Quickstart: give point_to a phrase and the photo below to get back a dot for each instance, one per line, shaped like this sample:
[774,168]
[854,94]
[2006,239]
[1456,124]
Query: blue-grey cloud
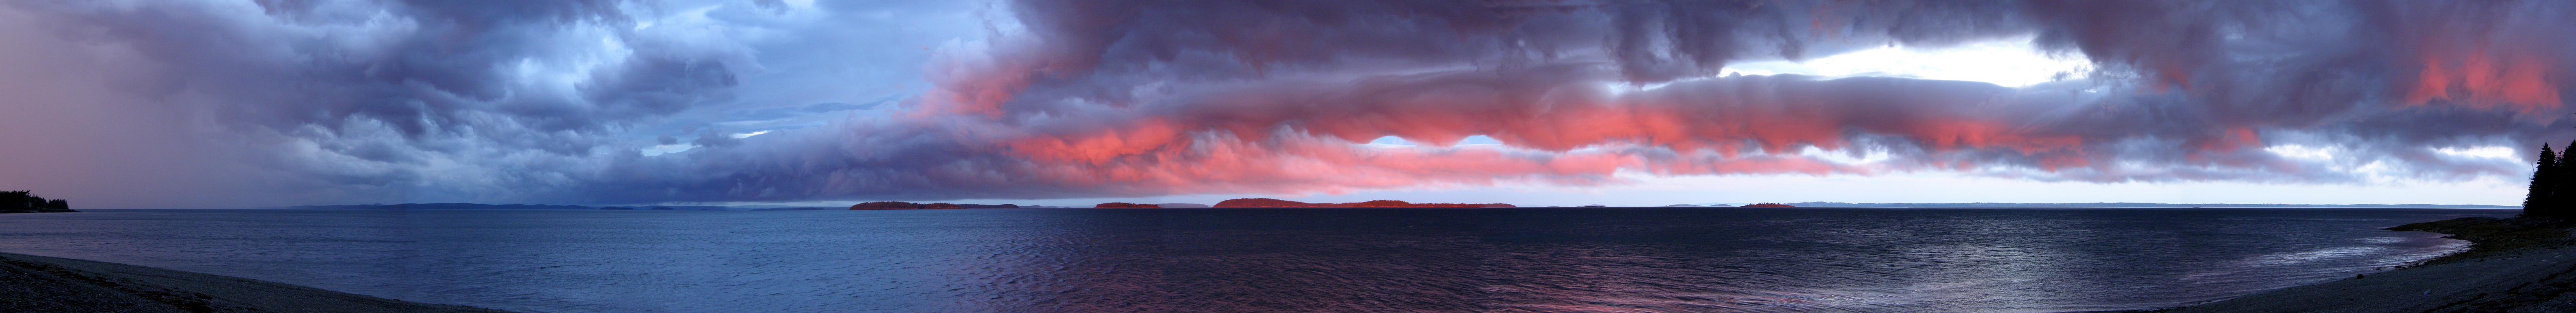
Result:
[550,101]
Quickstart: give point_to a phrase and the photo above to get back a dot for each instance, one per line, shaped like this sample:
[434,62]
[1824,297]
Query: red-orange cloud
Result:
[1105,99]
[2485,80]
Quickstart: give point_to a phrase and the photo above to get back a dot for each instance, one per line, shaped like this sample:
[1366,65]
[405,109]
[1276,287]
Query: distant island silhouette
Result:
[1769,205]
[23,201]
[891,205]
[1276,203]
[1686,205]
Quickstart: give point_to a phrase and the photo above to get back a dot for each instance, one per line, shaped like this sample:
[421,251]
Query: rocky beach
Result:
[46,284]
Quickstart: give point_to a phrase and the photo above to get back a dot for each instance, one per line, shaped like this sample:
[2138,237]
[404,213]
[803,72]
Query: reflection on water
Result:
[1221,260]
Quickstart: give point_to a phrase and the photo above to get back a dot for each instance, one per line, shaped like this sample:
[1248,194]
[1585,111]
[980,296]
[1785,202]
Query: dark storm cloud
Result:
[405,99]
[422,67]
[548,100]
[1132,94]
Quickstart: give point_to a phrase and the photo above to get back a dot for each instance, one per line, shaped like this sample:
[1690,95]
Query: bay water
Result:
[1264,260]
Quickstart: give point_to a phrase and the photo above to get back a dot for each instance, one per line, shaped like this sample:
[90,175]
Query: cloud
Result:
[529,102]
[416,100]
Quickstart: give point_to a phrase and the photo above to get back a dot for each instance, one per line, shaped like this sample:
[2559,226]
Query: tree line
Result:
[2553,185]
[22,201]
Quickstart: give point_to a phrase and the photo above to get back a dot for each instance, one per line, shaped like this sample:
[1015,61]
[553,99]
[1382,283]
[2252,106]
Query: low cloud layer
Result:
[285,102]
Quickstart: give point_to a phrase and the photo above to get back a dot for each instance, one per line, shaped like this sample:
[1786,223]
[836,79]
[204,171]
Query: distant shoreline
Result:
[48,284]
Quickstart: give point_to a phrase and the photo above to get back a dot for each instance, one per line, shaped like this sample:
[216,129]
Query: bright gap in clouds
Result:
[2488,152]
[2328,153]
[2011,62]
[1391,141]
[667,149]
[2301,152]
[1394,141]
[677,148]
[1846,156]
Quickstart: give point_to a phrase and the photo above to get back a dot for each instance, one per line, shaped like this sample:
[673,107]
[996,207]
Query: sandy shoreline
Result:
[2537,281]
[2522,277]
[47,284]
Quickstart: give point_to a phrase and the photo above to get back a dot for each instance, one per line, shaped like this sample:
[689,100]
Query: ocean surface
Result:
[1264,260]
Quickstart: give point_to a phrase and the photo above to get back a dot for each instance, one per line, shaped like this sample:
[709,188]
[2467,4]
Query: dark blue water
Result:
[1241,260]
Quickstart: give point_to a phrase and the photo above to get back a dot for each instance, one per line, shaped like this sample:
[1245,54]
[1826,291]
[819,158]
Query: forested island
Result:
[891,205]
[23,201]
[1276,203]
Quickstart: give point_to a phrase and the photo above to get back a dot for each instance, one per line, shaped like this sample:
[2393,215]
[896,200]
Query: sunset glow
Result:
[248,103]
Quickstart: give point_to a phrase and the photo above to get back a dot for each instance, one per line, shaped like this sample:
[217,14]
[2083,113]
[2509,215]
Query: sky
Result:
[246,103]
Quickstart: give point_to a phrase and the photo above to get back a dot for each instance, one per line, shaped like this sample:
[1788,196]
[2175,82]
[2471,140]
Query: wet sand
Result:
[2499,274]
[46,284]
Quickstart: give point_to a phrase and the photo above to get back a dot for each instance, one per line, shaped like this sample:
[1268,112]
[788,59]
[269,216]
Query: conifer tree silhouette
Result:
[2561,189]
[2544,177]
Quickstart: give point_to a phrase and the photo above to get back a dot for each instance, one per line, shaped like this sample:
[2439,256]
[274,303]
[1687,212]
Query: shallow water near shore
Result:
[1218,260]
